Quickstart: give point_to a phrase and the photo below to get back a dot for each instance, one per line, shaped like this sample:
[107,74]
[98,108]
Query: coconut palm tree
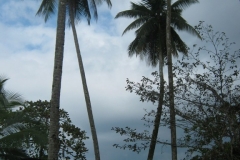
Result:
[150,40]
[9,100]
[76,9]
[73,14]
[170,81]
[47,7]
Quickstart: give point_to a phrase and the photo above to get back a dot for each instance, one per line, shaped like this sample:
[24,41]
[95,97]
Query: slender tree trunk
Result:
[56,86]
[159,109]
[85,89]
[170,80]
[41,152]
[160,101]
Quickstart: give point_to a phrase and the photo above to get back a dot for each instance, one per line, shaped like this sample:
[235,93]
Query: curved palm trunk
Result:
[85,89]
[159,109]
[160,101]
[56,86]
[170,80]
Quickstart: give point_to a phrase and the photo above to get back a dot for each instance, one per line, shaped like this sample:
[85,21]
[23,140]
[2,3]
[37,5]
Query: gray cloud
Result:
[27,52]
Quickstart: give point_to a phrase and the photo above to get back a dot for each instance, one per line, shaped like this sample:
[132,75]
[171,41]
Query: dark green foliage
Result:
[207,101]
[71,137]
[208,97]
[150,41]
[150,22]
[81,9]
[75,10]
[12,154]
[8,99]
[8,125]
[32,135]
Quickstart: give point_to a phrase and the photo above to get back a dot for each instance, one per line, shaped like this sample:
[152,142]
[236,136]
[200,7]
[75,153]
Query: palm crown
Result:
[80,8]
[8,99]
[75,10]
[150,42]
[150,25]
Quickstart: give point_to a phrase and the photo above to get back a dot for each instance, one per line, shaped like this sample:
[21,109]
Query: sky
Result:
[27,47]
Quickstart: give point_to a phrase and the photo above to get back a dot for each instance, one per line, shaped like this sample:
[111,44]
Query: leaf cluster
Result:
[207,101]
[28,129]
[149,22]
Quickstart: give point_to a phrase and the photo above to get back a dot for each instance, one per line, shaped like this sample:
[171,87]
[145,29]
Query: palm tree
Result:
[172,20]
[9,100]
[73,14]
[76,10]
[170,81]
[150,21]
[46,8]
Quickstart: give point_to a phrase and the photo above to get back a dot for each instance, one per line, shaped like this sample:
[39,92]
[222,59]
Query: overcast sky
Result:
[26,57]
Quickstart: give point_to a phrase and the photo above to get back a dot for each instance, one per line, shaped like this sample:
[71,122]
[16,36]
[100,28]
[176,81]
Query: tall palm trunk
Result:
[56,86]
[160,104]
[170,80]
[85,89]
[159,110]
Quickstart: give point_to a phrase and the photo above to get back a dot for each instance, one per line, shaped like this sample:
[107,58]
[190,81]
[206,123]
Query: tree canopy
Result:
[206,97]
[31,138]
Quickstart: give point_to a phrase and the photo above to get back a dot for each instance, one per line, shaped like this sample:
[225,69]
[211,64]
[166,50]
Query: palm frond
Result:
[8,99]
[99,2]
[134,48]
[12,153]
[132,14]
[93,8]
[144,35]
[146,3]
[16,120]
[80,9]
[136,11]
[47,8]
[146,45]
[183,4]
[2,81]
[29,135]
[147,27]
[143,7]
[135,24]
[181,24]
[178,44]
[109,3]
[9,130]
[139,48]
[13,96]
[150,22]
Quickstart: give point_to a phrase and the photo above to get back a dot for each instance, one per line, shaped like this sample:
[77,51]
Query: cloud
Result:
[27,47]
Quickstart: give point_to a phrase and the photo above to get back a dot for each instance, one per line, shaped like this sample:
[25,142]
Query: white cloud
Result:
[27,51]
